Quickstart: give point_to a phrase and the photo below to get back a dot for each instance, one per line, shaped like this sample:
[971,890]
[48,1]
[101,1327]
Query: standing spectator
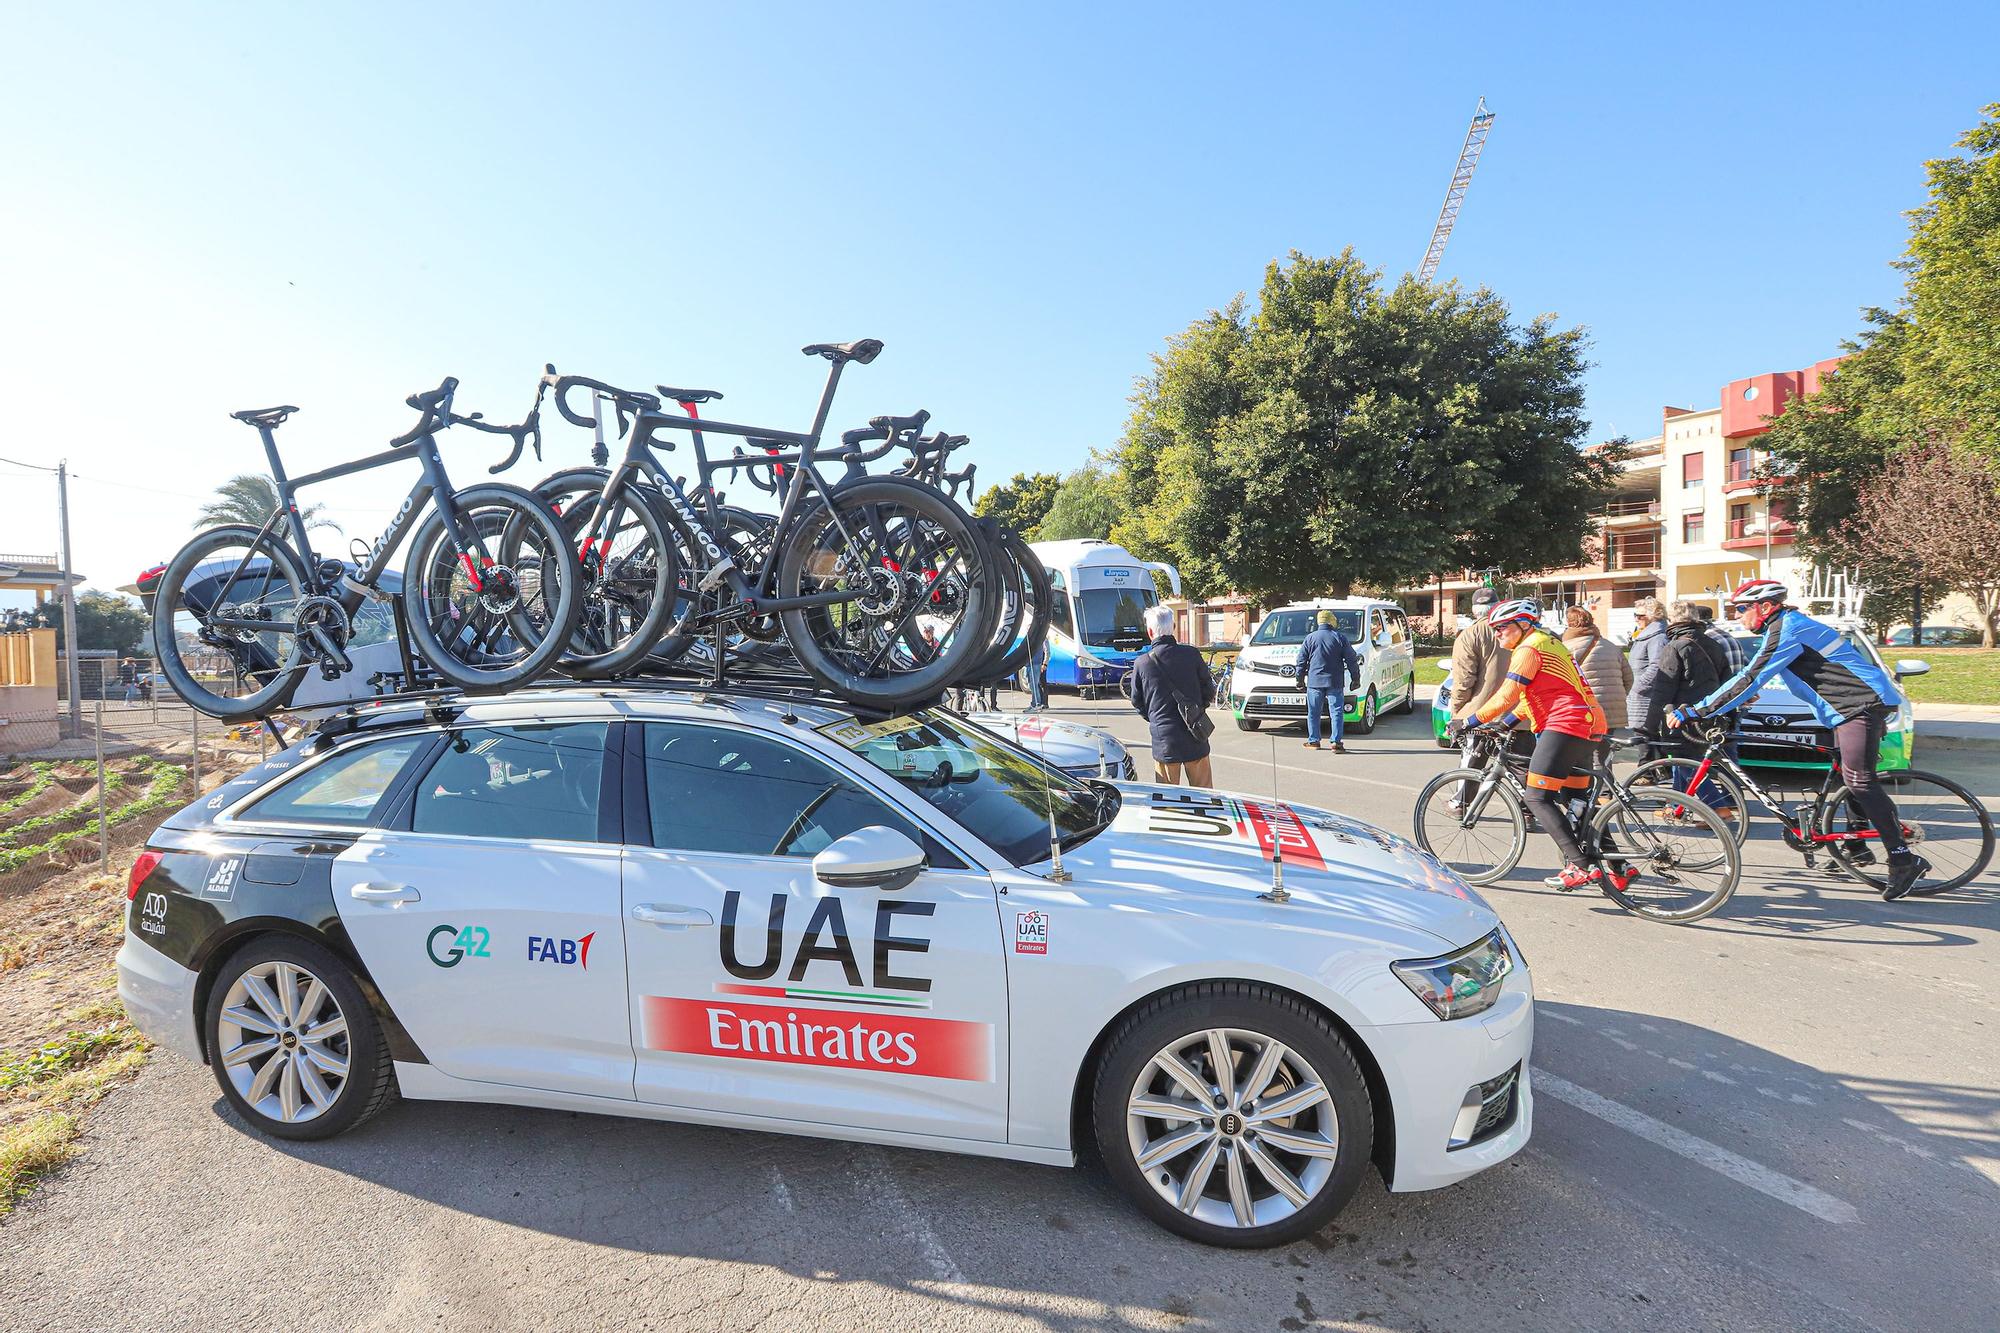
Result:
[1036,671]
[930,643]
[1171,689]
[1324,659]
[1684,675]
[1644,653]
[1732,647]
[1603,668]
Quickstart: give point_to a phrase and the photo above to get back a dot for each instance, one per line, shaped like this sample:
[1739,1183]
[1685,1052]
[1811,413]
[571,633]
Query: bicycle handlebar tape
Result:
[563,385]
[898,425]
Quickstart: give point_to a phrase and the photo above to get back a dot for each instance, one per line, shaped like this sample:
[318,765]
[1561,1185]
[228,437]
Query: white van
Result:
[1261,685]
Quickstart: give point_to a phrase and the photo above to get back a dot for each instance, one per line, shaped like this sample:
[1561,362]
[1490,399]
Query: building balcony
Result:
[1742,538]
[1629,513]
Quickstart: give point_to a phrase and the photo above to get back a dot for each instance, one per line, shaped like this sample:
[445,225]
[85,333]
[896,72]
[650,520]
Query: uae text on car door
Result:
[487,908]
[757,989]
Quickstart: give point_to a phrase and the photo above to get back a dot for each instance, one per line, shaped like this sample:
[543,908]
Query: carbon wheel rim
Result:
[1232,1128]
[1479,852]
[282,1039]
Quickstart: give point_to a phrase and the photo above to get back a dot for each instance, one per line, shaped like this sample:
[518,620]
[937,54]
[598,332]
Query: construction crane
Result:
[1454,195]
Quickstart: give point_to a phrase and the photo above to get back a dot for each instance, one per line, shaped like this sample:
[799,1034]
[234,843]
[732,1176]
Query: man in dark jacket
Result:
[1324,659]
[1167,669]
[1684,673]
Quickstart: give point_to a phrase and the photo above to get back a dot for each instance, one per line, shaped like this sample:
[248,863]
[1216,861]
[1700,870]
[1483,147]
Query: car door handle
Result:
[671,915]
[384,893]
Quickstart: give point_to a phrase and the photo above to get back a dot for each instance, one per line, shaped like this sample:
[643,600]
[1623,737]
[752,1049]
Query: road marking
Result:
[1714,1156]
[908,1219]
[1560,1018]
[1338,776]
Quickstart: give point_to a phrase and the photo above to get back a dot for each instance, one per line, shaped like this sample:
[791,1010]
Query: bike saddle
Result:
[1625,738]
[264,416]
[862,351]
[687,395]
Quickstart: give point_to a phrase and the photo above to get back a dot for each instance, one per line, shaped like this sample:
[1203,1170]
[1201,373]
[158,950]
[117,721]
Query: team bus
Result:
[1097,623]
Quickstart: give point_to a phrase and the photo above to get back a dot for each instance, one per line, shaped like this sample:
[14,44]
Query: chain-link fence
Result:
[76,803]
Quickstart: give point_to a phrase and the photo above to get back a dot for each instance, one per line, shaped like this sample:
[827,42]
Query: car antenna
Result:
[1056,873]
[1277,892]
[1100,755]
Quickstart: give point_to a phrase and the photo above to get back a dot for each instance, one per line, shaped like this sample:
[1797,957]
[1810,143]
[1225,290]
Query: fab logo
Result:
[565,953]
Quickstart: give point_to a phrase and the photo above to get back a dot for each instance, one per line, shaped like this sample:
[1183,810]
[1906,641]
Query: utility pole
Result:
[68,603]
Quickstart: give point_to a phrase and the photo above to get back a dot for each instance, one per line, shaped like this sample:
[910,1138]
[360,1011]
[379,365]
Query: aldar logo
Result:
[826,940]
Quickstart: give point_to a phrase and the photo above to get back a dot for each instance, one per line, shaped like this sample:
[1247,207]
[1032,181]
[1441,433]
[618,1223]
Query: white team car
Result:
[770,913]
[1078,750]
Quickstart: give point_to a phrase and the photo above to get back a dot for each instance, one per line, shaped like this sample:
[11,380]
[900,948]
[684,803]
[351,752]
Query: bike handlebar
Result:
[435,404]
[623,398]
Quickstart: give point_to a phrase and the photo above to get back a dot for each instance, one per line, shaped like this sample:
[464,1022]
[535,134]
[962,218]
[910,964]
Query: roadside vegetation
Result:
[1957,675]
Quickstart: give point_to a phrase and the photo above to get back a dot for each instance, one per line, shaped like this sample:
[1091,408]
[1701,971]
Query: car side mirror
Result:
[1442,663]
[869,858]
[1911,666]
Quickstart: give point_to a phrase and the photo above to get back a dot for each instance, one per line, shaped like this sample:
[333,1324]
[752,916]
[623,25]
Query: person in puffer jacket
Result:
[1644,652]
[1606,670]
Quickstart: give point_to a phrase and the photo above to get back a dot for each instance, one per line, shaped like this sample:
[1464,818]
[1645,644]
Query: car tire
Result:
[1364,721]
[1409,703]
[270,1098]
[1246,1017]
[1249,723]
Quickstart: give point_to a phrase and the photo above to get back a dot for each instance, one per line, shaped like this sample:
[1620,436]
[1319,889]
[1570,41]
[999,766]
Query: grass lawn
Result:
[1428,670]
[1957,675]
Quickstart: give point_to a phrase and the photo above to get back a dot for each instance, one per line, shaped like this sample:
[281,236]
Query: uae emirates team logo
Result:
[886,1042]
[1031,932]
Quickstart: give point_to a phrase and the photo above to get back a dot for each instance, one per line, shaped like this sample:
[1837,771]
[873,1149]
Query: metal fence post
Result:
[103,819]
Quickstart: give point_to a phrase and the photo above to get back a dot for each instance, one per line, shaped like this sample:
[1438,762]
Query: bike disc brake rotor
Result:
[499,590]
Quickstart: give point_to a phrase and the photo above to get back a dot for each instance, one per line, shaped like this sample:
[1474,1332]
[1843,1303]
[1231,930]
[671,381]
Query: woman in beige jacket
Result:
[1601,664]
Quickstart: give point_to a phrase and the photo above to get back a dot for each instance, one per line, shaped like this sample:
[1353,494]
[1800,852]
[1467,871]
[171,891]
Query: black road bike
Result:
[883,588]
[1941,821]
[489,596]
[1658,854]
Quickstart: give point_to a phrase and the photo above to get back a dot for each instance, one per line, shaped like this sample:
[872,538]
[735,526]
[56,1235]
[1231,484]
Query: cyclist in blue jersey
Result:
[1847,692]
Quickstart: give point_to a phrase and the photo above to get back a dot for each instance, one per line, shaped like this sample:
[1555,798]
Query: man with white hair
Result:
[1172,689]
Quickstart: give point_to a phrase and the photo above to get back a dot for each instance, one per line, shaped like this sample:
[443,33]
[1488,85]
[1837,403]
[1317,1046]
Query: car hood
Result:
[1067,745]
[1218,846]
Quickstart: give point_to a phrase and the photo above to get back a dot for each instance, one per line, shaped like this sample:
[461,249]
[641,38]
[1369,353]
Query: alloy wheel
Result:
[1232,1127]
[284,1042]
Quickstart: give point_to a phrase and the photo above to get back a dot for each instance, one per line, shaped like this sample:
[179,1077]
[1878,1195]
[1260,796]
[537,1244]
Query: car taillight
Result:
[141,867]
[152,573]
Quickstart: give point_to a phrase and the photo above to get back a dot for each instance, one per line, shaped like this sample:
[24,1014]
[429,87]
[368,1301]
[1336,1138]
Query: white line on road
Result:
[906,1216]
[1336,775]
[1699,1150]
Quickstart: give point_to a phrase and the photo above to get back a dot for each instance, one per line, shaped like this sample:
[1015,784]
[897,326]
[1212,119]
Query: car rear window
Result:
[531,782]
[342,790]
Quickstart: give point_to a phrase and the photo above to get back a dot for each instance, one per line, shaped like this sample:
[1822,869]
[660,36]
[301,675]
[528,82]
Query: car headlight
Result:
[1087,660]
[1462,983]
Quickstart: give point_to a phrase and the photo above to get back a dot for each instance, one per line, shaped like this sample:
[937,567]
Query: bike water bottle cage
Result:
[861,351]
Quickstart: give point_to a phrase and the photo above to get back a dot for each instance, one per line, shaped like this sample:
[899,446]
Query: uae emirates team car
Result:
[768,912]
[1078,750]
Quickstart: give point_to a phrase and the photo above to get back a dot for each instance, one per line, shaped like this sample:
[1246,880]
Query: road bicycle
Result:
[1940,820]
[489,597]
[1658,854]
[852,573]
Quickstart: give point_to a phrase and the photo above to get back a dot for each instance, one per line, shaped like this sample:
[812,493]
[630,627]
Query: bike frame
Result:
[1715,753]
[1603,782]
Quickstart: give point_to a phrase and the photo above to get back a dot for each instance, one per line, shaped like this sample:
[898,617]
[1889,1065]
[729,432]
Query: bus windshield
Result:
[1113,617]
[1293,626]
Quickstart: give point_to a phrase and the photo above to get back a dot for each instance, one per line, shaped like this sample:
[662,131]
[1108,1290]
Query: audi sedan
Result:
[767,912]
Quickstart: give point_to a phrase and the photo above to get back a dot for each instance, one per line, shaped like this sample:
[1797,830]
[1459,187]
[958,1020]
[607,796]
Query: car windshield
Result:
[1293,626]
[999,794]
[1114,617]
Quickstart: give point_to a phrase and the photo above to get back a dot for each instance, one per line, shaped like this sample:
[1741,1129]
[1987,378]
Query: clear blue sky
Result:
[209,208]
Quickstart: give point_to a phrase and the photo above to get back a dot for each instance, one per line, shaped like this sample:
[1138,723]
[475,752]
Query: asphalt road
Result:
[1787,1116]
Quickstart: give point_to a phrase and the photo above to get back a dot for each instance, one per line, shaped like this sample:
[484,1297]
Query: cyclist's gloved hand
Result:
[1677,717]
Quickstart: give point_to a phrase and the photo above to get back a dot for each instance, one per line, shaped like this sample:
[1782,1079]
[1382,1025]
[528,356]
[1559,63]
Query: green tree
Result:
[1951,360]
[250,497]
[1085,505]
[1346,434]
[103,620]
[1022,502]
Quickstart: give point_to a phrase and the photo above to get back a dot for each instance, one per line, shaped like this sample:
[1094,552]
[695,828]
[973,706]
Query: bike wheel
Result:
[1484,839]
[234,573]
[509,621]
[1735,810]
[1942,822]
[912,561]
[630,573]
[1028,597]
[1686,859]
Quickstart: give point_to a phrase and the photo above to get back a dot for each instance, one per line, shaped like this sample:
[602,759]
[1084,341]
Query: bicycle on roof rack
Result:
[883,587]
[489,597]
[1660,854]
[1941,821]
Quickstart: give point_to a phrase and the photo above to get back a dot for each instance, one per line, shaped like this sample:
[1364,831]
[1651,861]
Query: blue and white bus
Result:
[1097,626]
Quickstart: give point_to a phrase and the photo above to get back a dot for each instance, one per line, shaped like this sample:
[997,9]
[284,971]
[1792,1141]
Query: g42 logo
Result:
[470,942]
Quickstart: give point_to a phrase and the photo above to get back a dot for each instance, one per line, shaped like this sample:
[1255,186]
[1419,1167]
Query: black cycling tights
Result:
[1563,759]
[1859,744]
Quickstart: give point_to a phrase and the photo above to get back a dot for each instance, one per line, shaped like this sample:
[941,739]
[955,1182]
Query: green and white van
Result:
[1263,689]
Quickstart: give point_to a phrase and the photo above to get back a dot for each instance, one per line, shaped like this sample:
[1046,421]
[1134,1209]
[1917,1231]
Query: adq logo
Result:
[471,942]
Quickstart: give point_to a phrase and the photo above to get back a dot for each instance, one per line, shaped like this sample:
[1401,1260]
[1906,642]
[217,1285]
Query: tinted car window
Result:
[515,782]
[715,790]
[343,790]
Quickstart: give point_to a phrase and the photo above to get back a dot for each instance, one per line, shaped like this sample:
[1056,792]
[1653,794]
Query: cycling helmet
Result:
[1758,590]
[1526,611]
